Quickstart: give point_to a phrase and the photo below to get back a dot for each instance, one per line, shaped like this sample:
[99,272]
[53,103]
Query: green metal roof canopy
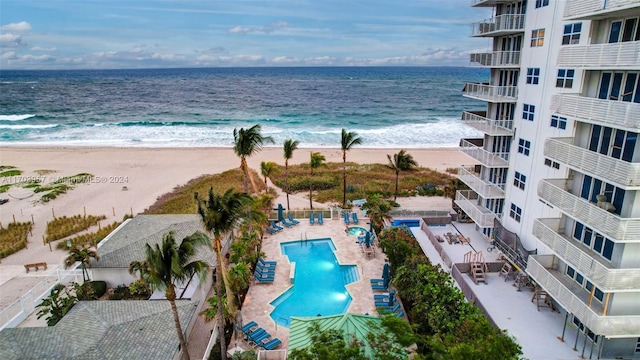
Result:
[350,324]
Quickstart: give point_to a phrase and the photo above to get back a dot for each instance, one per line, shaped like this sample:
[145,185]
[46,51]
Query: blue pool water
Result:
[355,230]
[407,222]
[319,283]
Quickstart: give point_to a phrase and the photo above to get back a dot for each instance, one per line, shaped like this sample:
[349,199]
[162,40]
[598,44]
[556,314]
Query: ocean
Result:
[389,107]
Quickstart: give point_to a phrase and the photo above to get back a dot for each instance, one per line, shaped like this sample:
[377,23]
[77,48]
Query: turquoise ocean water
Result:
[389,107]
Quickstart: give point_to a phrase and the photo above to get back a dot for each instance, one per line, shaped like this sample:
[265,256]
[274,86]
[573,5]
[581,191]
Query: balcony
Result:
[467,200]
[624,174]
[489,3]
[486,158]
[575,300]
[595,9]
[491,93]
[585,261]
[485,189]
[499,25]
[610,225]
[502,59]
[619,114]
[477,120]
[601,56]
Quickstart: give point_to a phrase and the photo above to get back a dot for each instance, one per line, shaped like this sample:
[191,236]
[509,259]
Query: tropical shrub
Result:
[139,288]
[54,307]
[99,288]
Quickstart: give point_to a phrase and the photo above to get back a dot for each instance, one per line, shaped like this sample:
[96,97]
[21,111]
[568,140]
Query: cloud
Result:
[9,55]
[213,50]
[22,26]
[264,29]
[38,48]
[10,40]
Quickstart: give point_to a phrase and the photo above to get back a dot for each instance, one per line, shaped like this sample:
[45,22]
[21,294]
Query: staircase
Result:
[477,273]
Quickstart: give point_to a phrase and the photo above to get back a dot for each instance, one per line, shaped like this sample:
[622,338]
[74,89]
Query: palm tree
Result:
[401,161]
[219,214]
[138,267]
[247,142]
[290,146]
[349,139]
[267,168]
[378,210]
[169,264]
[84,256]
[317,160]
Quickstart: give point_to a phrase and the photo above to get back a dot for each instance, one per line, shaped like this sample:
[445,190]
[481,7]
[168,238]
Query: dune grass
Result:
[62,227]
[91,239]
[13,237]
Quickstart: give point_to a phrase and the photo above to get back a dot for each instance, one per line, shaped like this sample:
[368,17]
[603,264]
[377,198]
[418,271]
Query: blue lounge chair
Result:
[265,269]
[292,220]
[250,327]
[311,219]
[346,218]
[271,230]
[385,303]
[286,223]
[382,297]
[355,218]
[258,335]
[276,226]
[320,218]
[264,279]
[267,262]
[272,344]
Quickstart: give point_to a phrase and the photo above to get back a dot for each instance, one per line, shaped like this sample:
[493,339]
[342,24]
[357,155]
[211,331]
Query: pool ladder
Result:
[303,238]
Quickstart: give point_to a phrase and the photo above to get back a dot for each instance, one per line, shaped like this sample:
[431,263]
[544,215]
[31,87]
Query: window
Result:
[571,34]
[515,212]
[533,76]
[528,111]
[624,30]
[565,78]
[620,86]
[552,164]
[537,37]
[541,3]
[519,180]
[524,146]
[618,144]
[586,284]
[558,122]
[595,241]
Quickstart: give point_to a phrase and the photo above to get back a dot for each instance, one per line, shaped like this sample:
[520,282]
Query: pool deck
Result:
[257,305]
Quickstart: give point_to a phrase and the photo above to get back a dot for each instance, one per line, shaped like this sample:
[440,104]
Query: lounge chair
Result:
[380,297]
[385,303]
[271,344]
[267,263]
[276,226]
[258,335]
[286,223]
[265,269]
[250,327]
[271,230]
[311,219]
[320,218]
[355,217]
[346,218]
[266,279]
[292,220]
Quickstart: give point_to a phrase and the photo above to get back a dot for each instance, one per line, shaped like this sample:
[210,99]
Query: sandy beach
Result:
[148,173]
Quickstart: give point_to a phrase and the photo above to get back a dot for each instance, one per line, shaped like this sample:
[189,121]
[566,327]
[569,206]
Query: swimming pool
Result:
[356,230]
[319,286]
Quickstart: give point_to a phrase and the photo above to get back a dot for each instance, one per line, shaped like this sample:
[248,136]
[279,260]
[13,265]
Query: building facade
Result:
[558,182]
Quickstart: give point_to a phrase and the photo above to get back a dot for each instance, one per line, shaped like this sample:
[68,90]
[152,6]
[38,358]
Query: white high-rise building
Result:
[558,185]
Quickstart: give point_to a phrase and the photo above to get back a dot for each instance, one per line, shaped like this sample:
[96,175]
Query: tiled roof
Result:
[127,242]
[125,329]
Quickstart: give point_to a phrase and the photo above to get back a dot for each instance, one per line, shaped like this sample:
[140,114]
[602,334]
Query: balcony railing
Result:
[499,25]
[486,158]
[496,59]
[480,3]
[605,167]
[606,223]
[488,126]
[491,93]
[586,262]
[483,188]
[594,56]
[540,268]
[598,111]
[585,9]
[467,200]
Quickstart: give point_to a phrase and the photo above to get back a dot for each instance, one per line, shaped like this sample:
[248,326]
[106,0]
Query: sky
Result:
[113,34]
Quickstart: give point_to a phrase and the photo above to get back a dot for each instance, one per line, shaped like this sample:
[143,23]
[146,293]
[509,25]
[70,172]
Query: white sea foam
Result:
[15,117]
[22,127]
